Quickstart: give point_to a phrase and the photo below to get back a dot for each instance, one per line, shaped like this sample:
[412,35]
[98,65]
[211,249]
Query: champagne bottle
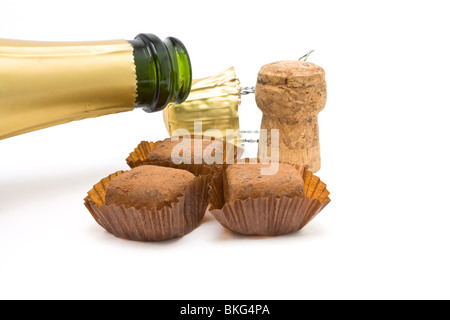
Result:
[43,84]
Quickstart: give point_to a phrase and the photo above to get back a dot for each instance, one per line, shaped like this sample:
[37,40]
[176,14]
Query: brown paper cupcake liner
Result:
[173,221]
[269,216]
[141,153]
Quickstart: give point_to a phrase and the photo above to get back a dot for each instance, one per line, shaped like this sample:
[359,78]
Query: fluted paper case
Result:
[269,216]
[172,221]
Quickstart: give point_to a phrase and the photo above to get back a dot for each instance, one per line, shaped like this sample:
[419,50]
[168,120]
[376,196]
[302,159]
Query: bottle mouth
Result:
[181,64]
[166,76]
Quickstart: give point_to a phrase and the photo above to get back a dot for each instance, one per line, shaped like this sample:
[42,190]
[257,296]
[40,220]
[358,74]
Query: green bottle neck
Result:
[163,71]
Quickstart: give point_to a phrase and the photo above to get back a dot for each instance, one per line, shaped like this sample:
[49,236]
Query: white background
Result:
[384,137]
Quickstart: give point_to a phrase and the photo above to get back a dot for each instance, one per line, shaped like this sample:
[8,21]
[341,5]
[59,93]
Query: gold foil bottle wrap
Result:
[43,84]
[213,100]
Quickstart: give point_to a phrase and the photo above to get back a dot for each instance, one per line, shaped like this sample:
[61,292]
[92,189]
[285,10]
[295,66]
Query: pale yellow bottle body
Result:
[43,84]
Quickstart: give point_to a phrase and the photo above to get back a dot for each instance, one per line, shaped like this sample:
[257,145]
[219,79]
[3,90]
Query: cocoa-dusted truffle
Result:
[148,187]
[216,149]
[246,181]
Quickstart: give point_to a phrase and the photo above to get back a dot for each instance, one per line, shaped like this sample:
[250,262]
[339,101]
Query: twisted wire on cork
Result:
[247,90]
[306,56]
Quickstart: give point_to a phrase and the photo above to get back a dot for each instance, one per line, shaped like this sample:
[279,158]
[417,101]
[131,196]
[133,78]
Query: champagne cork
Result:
[290,95]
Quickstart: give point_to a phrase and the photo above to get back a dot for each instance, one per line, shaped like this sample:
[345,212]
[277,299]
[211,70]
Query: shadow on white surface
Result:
[44,187]
[208,218]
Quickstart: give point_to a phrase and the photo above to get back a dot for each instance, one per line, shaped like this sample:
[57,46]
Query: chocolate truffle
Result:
[246,181]
[148,187]
[215,149]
